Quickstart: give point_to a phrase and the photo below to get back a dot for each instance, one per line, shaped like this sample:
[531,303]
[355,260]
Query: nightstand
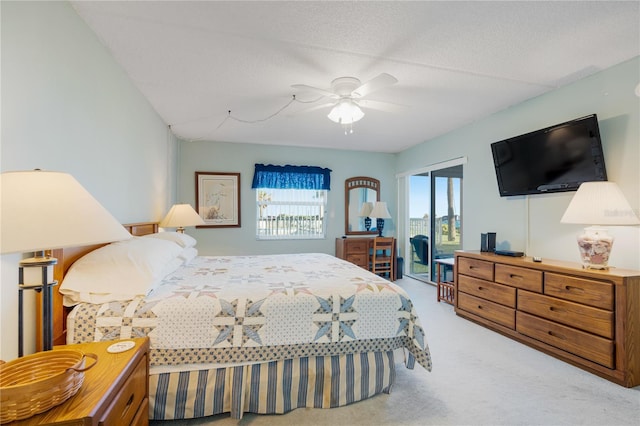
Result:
[446,289]
[114,392]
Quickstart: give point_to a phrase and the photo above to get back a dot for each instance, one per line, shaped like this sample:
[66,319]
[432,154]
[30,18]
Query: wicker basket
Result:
[35,383]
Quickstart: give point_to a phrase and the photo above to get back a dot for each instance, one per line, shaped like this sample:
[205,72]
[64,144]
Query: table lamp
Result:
[42,210]
[365,212]
[597,204]
[380,212]
[181,215]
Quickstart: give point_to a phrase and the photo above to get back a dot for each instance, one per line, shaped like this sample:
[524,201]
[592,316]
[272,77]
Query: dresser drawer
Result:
[126,404]
[357,247]
[528,279]
[361,260]
[488,290]
[475,268]
[589,292]
[587,318]
[142,416]
[489,310]
[585,345]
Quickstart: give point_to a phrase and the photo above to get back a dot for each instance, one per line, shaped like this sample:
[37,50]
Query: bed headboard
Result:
[66,257]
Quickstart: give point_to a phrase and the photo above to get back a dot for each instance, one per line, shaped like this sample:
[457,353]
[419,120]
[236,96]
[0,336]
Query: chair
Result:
[420,245]
[383,256]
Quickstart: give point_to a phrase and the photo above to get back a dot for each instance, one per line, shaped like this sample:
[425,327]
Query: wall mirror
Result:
[358,191]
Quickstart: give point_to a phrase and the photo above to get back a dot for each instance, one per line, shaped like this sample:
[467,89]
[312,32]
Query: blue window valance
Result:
[291,177]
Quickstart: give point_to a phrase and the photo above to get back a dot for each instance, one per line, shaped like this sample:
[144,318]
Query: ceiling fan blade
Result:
[315,107]
[315,89]
[381,106]
[377,83]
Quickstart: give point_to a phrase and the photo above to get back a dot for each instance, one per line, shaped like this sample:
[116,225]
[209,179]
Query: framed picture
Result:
[218,199]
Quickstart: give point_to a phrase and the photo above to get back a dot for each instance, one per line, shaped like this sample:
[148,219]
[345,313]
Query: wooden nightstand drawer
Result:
[126,403]
[488,290]
[590,292]
[475,268]
[489,310]
[585,345]
[528,279]
[587,318]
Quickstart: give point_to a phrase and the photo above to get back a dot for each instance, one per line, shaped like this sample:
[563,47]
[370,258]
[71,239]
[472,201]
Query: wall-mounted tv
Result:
[554,159]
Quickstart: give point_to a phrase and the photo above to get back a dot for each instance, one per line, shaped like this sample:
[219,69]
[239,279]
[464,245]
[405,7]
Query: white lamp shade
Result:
[366,209]
[42,210]
[181,215]
[380,211]
[346,112]
[599,203]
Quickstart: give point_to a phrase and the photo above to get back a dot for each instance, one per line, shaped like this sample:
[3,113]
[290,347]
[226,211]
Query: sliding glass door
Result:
[419,225]
[434,225]
[446,213]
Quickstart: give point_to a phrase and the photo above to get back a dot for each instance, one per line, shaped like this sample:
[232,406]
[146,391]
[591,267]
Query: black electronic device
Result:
[488,242]
[509,253]
[554,159]
[491,241]
[483,243]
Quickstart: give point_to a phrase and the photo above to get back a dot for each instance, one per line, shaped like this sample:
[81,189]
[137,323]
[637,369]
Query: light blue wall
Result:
[532,224]
[67,106]
[240,158]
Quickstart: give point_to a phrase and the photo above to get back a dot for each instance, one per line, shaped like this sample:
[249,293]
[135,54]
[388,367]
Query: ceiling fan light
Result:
[346,112]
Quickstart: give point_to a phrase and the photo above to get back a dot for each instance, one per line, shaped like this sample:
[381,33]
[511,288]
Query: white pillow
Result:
[183,240]
[188,255]
[120,271]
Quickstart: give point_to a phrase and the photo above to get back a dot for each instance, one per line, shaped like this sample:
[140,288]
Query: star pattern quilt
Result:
[241,309]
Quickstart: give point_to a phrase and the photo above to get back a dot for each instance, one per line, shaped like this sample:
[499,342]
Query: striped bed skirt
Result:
[271,387]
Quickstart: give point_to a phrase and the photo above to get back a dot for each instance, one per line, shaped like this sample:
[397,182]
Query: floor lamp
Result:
[40,211]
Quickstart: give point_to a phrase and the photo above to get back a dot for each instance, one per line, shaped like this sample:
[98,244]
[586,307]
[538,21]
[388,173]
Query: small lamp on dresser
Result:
[365,212]
[380,212]
[181,215]
[598,204]
[40,211]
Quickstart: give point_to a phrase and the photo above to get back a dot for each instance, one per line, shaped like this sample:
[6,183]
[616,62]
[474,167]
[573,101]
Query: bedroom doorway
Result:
[434,220]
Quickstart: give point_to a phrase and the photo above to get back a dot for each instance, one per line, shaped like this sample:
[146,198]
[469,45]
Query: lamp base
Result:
[595,247]
[380,226]
[367,223]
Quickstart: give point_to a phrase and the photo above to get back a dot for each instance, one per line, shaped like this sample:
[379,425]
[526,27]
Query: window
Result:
[291,201]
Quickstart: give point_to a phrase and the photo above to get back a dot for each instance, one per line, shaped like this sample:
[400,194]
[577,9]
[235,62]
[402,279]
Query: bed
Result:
[235,334]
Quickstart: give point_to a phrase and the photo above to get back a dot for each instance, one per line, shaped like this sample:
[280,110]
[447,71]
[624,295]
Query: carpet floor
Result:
[479,377]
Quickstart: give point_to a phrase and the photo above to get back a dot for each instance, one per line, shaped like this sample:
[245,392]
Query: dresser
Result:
[357,251]
[115,391]
[588,318]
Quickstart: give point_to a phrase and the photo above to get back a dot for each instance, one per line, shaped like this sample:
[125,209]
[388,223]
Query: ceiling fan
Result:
[347,95]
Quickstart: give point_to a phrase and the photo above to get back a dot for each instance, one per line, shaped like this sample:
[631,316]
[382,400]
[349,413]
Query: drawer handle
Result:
[572,288]
[558,336]
[515,276]
[480,288]
[128,405]
[479,306]
[554,309]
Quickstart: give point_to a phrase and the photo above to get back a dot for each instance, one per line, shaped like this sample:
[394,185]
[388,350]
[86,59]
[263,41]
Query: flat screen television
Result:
[554,159]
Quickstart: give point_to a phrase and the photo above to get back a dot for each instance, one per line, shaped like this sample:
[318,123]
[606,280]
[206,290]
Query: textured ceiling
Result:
[455,62]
